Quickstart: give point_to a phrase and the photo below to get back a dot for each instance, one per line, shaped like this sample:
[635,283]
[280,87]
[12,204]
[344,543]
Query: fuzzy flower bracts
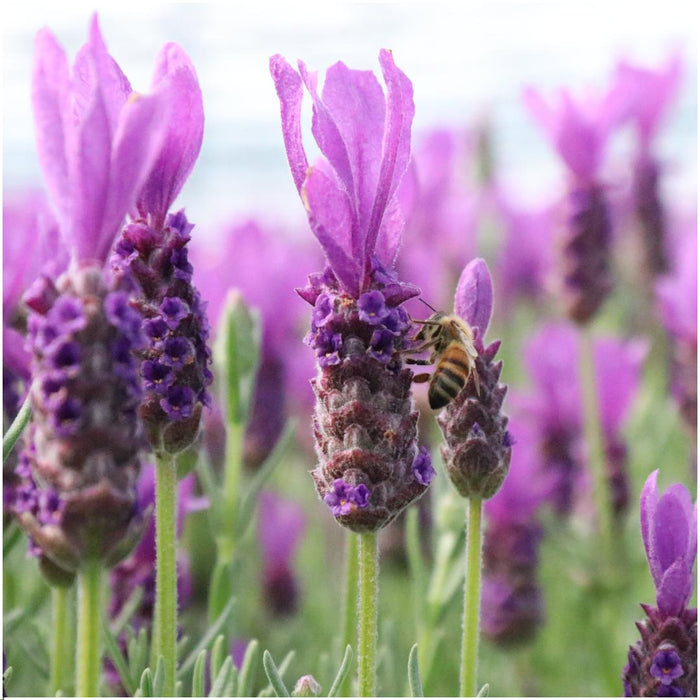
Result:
[365,425]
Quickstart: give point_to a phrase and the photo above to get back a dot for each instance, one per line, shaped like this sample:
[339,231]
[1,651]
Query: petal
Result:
[290,92]
[50,90]
[675,588]
[670,528]
[396,147]
[330,217]
[390,232]
[174,76]
[280,526]
[474,295]
[647,508]
[137,142]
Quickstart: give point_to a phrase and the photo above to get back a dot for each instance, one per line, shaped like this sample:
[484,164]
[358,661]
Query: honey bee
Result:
[451,341]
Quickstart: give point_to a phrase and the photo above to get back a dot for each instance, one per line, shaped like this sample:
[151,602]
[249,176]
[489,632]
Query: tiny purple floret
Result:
[344,497]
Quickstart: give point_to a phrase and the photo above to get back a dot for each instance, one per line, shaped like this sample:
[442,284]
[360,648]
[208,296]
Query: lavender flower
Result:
[664,661]
[477,445]
[281,525]
[512,606]
[649,93]
[96,144]
[152,249]
[364,421]
[554,408]
[579,132]
[677,305]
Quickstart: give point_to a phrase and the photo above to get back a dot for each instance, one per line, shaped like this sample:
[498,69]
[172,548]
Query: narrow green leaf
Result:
[246,677]
[484,692]
[159,677]
[7,675]
[207,639]
[198,679]
[11,535]
[268,690]
[222,678]
[231,683]
[273,676]
[115,654]
[219,588]
[16,428]
[342,672]
[245,511]
[178,689]
[414,680]
[218,656]
[182,645]
[137,646]
[127,611]
[146,684]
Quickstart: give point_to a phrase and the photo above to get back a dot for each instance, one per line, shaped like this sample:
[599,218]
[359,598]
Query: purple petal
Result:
[174,76]
[474,295]
[281,523]
[675,587]
[290,92]
[330,217]
[647,508]
[396,147]
[670,529]
[390,232]
[50,90]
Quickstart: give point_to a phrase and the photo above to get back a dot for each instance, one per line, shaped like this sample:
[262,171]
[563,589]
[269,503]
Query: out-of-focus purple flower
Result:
[477,444]
[525,259]
[441,215]
[677,305]
[365,424]
[266,269]
[664,661]
[281,525]
[152,249]
[96,141]
[554,407]
[579,131]
[512,606]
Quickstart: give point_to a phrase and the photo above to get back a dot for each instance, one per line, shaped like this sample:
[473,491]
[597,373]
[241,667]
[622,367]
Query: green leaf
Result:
[159,677]
[245,512]
[115,654]
[484,692]
[342,672]
[268,690]
[218,656]
[273,676]
[207,639]
[222,678]
[16,428]
[198,675]
[7,676]
[237,353]
[414,681]
[246,678]
[137,646]
[11,535]
[146,684]
[127,611]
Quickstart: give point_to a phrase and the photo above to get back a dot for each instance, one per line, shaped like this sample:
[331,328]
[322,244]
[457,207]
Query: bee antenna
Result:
[428,305]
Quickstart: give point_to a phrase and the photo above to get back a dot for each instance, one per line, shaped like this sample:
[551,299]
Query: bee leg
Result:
[414,361]
[421,378]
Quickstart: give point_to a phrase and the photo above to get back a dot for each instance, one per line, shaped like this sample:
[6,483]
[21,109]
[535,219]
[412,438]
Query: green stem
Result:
[165,623]
[17,427]
[472,601]
[367,613]
[350,616]
[596,445]
[60,642]
[89,653]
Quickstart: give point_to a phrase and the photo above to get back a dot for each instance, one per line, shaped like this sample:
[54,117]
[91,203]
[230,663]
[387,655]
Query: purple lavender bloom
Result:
[477,446]
[96,143]
[677,306]
[153,250]
[649,93]
[266,270]
[512,605]
[553,408]
[281,525]
[664,661]
[365,424]
[579,132]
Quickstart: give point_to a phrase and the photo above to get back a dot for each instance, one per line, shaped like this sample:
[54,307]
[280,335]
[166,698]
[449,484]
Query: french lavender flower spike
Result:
[664,661]
[474,295]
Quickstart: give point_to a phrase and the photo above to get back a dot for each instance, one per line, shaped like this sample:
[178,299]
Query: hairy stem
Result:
[472,600]
[89,649]
[367,613]
[61,643]
[16,428]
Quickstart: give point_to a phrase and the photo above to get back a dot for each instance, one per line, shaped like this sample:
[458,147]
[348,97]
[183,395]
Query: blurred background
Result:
[468,62]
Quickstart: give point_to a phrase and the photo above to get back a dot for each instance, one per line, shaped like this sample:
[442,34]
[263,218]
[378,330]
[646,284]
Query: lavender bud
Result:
[175,361]
[81,460]
[651,215]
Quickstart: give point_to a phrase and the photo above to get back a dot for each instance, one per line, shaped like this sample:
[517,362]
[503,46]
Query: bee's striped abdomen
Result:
[450,376]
